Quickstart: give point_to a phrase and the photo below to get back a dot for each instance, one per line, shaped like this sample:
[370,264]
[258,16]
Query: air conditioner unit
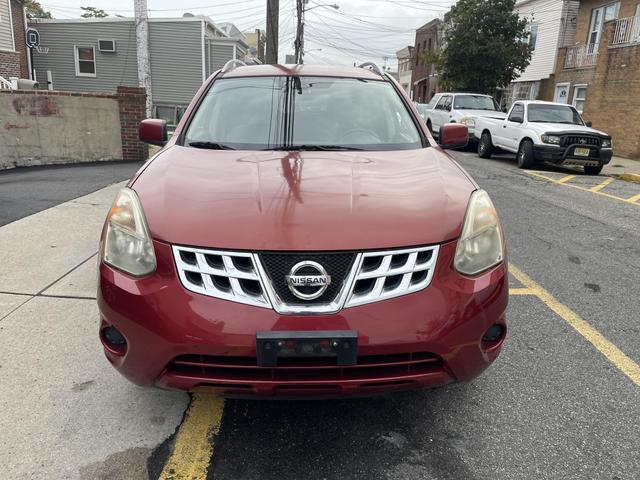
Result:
[107,46]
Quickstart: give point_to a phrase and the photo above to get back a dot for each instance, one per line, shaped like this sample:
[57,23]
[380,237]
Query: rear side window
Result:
[258,113]
[517,113]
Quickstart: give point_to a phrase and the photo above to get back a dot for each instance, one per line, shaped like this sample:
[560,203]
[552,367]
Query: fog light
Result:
[113,337]
[493,334]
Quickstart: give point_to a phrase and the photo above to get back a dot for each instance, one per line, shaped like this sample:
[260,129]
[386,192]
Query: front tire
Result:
[485,146]
[590,170]
[525,155]
[430,127]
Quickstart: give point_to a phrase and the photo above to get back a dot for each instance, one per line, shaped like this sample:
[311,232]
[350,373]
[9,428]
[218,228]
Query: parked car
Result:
[300,239]
[464,108]
[540,131]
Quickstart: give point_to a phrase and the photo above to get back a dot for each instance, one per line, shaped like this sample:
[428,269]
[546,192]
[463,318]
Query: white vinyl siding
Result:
[6,27]
[113,69]
[548,17]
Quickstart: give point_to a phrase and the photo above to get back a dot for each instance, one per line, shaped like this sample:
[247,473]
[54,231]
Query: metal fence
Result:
[581,56]
[627,31]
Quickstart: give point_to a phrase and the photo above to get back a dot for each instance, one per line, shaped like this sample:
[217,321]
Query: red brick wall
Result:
[18,34]
[613,95]
[422,92]
[9,64]
[132,103]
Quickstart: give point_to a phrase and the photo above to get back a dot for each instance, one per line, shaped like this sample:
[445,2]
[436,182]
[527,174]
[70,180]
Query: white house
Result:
[551,26]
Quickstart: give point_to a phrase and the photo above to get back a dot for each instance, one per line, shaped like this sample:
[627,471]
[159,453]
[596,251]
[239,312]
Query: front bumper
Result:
[565,155]
[178,339]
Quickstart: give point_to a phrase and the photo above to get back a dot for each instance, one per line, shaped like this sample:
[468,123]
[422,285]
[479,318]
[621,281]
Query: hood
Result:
[253,200]
[564,128]
[481,113]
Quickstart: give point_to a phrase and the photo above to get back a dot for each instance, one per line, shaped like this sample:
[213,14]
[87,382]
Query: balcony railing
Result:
[581,56]
[627,31]
[7,84]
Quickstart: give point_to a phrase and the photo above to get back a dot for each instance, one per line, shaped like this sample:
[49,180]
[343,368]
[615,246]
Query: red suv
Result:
[301,233]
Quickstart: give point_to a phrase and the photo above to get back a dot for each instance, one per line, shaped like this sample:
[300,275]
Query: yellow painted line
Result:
[193,446]
[616,356]
[626,200]
[629,177]
[634,199]
[600,186]
[521,291]
[566,179]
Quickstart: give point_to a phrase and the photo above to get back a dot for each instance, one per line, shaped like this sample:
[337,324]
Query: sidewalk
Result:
[624,169]
[66,413]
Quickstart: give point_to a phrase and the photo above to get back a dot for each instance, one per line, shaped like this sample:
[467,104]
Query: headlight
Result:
[553,139]
[127,243]
[607,143]
[481,245]
[468,121]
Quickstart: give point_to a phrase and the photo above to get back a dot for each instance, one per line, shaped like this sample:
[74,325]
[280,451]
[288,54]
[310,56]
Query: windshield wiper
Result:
[315,147]
[211,145]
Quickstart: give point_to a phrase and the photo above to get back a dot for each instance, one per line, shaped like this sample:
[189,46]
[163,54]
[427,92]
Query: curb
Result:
[628,177]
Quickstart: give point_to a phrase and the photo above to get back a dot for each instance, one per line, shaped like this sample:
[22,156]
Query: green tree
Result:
[485,46]
[35,10]
[93,12]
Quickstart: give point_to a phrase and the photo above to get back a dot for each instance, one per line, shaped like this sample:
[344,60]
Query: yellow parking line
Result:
[634,199]
[626,200]
[566,179]
[193,445]
[616,356]
[521,291]
[600,186]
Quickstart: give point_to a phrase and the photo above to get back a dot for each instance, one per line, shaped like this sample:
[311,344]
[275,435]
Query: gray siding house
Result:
[89,55]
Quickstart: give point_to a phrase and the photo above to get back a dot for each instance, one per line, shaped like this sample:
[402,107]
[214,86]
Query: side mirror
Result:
[516,119]
[153,131]
[588,123]
[505,109]
[453,135]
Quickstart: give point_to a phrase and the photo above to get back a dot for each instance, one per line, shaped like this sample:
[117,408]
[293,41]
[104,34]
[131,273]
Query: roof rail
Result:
[373,67]
[231,64]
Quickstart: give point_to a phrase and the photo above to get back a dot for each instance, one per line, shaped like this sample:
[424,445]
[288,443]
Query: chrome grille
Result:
[248,278]
[226,275]
[383,275]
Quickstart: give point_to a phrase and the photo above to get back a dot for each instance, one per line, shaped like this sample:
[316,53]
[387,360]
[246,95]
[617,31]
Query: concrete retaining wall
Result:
[44,127]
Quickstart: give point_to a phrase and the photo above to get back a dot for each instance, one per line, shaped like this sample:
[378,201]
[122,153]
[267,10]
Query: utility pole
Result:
[273,14]
[142,49]
[299,42]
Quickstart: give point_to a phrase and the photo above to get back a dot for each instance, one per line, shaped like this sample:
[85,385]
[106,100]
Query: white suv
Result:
[461,108]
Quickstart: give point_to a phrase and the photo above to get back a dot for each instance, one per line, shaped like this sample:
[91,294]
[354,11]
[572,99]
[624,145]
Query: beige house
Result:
[405,66]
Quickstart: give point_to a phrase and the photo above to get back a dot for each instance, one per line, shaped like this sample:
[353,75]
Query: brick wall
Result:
[14,64]
[18,34]
[9,64]
[613,95]
[41,127]
[424,36]
[132,105]
[627,9]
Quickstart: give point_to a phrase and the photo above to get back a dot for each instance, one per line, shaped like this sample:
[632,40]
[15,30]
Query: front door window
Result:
[562,93]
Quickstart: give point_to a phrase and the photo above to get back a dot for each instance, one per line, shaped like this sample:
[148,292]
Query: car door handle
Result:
[504,126]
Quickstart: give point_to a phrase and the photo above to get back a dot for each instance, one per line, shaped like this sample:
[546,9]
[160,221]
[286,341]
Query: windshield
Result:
[554,114]
[475,102]
[258,113]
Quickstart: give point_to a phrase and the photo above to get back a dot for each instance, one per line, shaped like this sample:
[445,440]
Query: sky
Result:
[359,31]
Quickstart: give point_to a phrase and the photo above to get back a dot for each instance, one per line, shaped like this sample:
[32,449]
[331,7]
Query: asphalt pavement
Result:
[27,190]
[562,401]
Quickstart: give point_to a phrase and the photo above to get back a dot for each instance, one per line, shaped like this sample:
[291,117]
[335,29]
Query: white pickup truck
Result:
[545,132]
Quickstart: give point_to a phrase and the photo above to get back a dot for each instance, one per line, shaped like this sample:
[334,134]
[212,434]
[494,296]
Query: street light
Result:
[299,42]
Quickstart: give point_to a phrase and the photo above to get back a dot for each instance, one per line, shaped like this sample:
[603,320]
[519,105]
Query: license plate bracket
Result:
[581,152]
[341,344]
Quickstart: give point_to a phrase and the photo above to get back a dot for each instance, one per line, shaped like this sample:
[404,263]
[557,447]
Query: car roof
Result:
[463,93]
[541,102]
[302,70]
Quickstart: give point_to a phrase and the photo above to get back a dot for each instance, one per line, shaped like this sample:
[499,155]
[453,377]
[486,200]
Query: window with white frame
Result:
[579,97]
[85,61]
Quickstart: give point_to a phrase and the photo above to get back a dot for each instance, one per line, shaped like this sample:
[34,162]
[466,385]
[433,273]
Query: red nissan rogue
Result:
[301,233]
